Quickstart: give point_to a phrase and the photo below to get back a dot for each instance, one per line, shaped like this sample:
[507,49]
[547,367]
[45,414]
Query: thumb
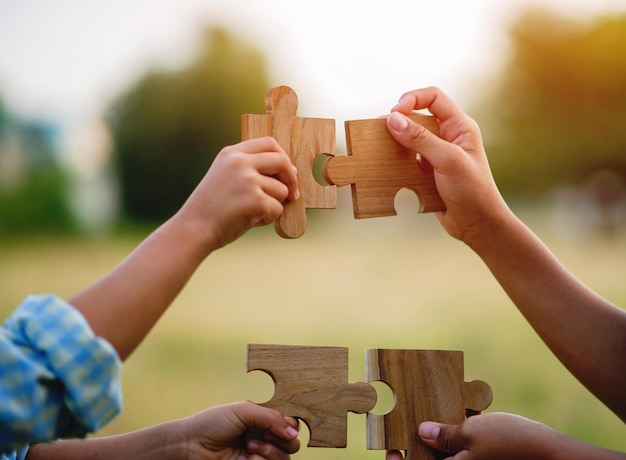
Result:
[441,437]
[417,138]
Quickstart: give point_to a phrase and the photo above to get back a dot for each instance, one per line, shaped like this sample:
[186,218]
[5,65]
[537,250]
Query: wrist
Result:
[197,239]
[165,441]
[494,228]
[175,440]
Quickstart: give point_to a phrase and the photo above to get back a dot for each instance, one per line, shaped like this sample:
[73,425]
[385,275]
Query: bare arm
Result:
[500,436]
[124,305]
[245,186]
[586,332]
[231,431]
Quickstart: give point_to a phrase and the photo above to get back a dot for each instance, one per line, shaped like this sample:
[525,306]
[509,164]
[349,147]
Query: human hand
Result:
[461,170]
[239,431]
[245,186]
[500,436]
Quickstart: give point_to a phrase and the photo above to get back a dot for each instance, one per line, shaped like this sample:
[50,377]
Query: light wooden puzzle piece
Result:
[303,139]
[311,384]
[377,167]
[427,385]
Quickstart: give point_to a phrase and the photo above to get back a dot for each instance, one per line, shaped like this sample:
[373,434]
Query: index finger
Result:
[279,166]
[433,99]
[261,144]
[273,162]
[252,416]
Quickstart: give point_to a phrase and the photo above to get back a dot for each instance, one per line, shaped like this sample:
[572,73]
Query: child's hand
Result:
[240,431]
[500,436]
[461,169]
[245,186]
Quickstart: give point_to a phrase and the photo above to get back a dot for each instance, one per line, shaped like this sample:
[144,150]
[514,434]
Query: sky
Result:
[346,59]
[65,61]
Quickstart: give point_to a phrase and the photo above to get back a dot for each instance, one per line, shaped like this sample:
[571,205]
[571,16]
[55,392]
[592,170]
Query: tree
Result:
[168,127]
[33,187]
[2,117]
[557,114]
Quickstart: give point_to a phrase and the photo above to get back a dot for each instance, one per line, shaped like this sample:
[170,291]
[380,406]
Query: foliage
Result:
[557,111]
[2,117]
[38,204]
[33,188]
[168,127]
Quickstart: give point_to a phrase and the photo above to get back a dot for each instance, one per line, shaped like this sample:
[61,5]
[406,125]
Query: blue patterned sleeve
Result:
[57,379]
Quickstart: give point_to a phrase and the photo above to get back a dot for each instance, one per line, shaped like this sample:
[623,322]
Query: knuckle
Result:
[417,133]
[473,125]
[269,209]
[284,160]
[270,140]
[272,144]
[407,94]
[294,446]
[446,439]
[228,150]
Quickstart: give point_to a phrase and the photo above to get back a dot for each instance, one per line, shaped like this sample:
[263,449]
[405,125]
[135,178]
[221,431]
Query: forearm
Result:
[154,443]
[123,306]
[586,332]
[559,446]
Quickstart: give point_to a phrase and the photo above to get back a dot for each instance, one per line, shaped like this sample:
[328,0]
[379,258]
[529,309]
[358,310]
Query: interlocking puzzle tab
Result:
[311,384]
[303,139]
[377,167]
[427,385]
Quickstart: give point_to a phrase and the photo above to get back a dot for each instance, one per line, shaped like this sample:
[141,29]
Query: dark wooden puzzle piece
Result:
[311,384]
[427,385]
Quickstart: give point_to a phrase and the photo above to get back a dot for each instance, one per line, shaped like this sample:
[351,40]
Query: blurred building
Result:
[54,177]
[25,146]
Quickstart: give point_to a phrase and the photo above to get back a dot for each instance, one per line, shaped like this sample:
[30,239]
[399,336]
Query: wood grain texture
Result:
[377,167]
[427,385]
[311,384]
[303,139]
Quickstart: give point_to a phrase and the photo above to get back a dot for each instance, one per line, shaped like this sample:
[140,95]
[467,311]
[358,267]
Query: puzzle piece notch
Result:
[377,167]
[311,384]
[303,139]
[427,385]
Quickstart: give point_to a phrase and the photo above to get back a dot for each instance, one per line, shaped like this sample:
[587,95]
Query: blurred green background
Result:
[80,187]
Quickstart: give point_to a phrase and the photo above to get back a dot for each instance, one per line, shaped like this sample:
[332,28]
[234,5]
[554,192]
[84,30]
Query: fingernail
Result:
[253,446]
[291,431]
[428,430]
[397,121]
[295,170]
[297,194]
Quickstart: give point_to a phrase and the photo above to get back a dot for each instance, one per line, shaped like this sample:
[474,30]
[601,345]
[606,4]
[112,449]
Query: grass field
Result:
[386,283]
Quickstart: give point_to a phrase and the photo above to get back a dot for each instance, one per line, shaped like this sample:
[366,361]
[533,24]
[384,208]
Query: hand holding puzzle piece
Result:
[311,383]
[303,139]
[376,166]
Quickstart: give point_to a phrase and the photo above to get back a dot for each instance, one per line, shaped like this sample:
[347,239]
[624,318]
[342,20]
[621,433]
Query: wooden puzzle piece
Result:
[427,385]
[303,139]
[377,167]
[311,384]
